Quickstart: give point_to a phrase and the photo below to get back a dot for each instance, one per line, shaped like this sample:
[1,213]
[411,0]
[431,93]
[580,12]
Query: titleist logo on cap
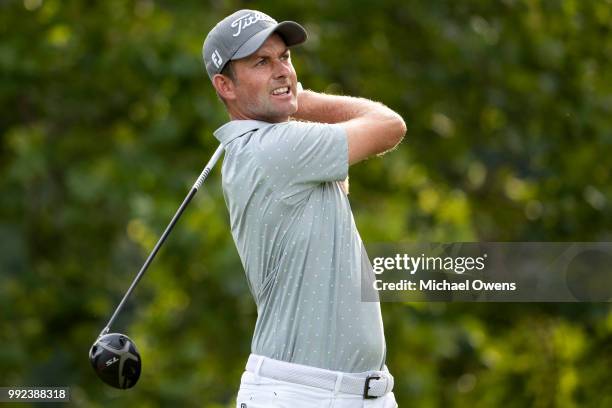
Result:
[249,19]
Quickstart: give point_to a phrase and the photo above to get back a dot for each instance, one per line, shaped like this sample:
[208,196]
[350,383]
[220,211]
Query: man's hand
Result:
[371,127]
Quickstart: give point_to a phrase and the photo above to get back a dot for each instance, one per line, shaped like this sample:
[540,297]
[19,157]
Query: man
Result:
[287,153]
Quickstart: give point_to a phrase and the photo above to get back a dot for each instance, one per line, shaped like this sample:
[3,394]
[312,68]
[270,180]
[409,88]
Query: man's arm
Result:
[371,127]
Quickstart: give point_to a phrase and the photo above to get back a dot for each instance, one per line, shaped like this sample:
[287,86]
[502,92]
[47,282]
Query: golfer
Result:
[287,154]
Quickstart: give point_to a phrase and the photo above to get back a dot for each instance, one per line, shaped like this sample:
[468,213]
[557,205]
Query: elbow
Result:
[402,129]
[397,131]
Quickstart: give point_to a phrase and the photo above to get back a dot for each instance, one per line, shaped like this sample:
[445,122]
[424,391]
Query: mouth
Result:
[281,91]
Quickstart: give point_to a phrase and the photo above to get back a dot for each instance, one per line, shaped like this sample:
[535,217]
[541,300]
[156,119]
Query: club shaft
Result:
[211,163]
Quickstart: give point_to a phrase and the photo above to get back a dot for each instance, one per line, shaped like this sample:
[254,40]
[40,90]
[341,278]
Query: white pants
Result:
[262,392]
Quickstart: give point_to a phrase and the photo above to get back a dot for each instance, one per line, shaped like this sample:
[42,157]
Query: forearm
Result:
[323,108]
[371,127]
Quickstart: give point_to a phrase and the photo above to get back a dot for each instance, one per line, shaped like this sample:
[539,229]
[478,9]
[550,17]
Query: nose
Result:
[281,69]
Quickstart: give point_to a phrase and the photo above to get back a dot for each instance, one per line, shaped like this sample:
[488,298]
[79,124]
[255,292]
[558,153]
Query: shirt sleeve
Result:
[304,153]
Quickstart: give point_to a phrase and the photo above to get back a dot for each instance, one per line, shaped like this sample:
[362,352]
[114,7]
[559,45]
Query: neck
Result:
[236,114]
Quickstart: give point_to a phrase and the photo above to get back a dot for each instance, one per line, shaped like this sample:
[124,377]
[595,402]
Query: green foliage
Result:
[107,118]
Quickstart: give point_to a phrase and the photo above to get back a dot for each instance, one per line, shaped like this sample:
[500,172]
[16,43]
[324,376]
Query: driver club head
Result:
[116,360]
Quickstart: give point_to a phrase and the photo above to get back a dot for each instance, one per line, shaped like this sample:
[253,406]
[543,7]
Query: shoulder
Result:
[295,132]
[304,127]
[284,150]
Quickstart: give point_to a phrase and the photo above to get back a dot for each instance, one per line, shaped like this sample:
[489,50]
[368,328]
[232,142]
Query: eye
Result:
[261,61]
[285,57]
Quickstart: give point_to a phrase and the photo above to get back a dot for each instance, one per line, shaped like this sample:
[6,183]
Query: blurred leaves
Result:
[108,117]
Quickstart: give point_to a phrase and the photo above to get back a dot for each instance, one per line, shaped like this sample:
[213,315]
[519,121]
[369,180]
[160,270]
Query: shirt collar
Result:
[236,128]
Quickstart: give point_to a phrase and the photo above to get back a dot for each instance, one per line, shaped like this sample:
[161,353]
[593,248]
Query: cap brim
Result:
[292,33]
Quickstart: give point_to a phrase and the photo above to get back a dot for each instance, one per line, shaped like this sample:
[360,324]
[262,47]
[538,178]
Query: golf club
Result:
[114,356]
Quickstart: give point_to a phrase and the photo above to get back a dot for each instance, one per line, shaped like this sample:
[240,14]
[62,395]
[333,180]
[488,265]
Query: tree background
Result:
[107,118]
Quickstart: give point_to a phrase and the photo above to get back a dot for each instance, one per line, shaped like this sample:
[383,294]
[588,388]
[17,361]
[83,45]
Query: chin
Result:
[293,108]
[292,111]
[282,115]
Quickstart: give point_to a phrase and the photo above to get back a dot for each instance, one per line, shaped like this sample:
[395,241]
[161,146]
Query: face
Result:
[265,86]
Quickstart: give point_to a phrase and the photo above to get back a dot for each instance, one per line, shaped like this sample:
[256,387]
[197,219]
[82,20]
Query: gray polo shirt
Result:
[296,237]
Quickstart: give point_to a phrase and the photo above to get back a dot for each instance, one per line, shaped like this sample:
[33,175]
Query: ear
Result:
[224,86]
